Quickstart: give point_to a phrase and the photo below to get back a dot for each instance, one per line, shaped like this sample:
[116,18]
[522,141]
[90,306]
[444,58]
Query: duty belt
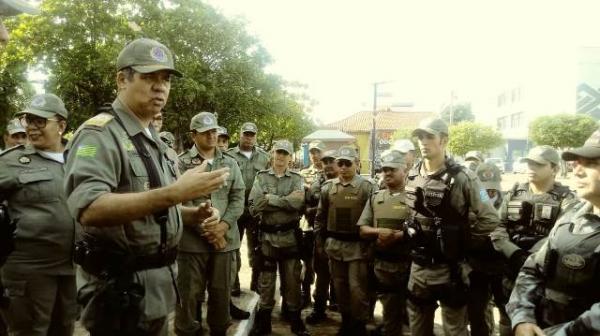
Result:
[279,228]
[344,236]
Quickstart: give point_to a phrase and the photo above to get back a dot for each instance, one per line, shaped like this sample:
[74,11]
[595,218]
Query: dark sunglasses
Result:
[327,160]
[342,163]
[38,122]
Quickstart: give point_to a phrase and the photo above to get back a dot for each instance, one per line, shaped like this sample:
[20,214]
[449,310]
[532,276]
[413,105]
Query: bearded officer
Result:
[557,288]
[441,193]
[382,221]
[340,207]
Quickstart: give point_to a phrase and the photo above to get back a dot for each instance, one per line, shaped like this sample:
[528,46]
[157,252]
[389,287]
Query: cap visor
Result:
[392,165]
[584,152]
[349,158]
[491,185]
[204,129]
[536,160]
[282,149]
[16,130]
[18,6]
[249,131]
[153,68]
[35,112]
[426,130]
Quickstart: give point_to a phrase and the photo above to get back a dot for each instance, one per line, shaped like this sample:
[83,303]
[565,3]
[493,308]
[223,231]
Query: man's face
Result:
[43,133]
[539,173]
[145,94]
[281,158]
[247,139]
[330,167]
[394,177]
[409,158]
[223,142]
[315,156]
[205,140]
[347,168]
[11,140]
[587,178]
[432,145]
[157,121]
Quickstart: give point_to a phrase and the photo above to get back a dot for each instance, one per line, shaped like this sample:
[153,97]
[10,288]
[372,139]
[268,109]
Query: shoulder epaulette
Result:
[98,121]
[8,150]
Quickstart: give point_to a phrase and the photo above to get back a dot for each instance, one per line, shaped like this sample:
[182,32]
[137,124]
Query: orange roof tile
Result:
[386,120]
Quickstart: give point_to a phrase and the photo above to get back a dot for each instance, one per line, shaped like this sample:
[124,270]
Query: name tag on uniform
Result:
[350,197]
[398,207]
[546,212]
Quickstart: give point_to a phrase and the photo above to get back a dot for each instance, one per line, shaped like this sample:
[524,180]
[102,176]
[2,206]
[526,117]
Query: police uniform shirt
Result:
[250,166]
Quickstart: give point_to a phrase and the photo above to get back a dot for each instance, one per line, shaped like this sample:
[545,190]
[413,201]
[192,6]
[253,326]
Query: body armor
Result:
[390,211]
[572,273]
[345,207]
[531,217]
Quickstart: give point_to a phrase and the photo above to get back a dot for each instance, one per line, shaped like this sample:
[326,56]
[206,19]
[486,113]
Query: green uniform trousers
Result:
[323,280]
[289,278]
[392,286]
[200,272]
[40,304]
[350,282]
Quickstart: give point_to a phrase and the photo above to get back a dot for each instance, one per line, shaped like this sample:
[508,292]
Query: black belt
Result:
[279,228]
[344,236]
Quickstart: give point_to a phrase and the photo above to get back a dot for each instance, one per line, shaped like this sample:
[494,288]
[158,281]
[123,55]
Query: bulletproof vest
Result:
[346,204]
[390,211]
[532,216]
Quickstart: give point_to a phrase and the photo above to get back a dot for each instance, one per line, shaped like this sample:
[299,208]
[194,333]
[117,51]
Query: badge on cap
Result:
[345,152]
[573,261]
[158,54]
[207,120]
[487,174]
[38,101]
[388,158]
[24,160]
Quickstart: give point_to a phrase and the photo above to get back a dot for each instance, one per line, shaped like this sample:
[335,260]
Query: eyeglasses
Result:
[342,163]
[281,152]
[327,160]
[38,122]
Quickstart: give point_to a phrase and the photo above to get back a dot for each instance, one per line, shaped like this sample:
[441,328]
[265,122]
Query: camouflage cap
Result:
[45,105]
[542,155]
[283,145]
[393,159]
[317,144]
[347,153]
[331,154]
[403,145]
[435,126]
[589,150]
[167,137]
[490,176]
[249,127]
[203,121]
[145,56]
[474,155]
[222,131]
[14,126]
[16,7]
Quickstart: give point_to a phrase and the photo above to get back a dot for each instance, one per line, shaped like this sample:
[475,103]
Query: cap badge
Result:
[38,101]
[388,158]
[487,174]
[207,120]
[345,152]
[158,54]
[24,160]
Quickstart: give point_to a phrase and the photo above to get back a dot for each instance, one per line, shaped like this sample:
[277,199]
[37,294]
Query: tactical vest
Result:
[531,217]
[390,212]
[572,274]
[346,204]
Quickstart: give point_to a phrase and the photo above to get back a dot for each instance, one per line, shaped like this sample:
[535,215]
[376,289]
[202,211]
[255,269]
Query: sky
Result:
[424,49]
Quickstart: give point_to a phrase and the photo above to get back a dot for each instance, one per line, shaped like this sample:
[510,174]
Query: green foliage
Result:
[562,130]
[468,135]
[460,112]
[76,43]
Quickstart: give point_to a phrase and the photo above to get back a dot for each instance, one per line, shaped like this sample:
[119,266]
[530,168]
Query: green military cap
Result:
[283,145]
[393,159]
[222,131]
[145,56]
[543,155]
[403,145]
[347,153]
[474,155]
[203,121]
[435,126]
[589,150]
[249,127]
[14,126]
[16,7]
[45,105]
[167,137]
[317,144]
[332,154]
[490,176]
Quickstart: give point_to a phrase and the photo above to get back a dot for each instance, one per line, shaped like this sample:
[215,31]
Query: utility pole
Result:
[374,127]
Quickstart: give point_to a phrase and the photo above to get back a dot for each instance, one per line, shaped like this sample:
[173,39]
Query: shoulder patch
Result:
[99,120]
[8,150]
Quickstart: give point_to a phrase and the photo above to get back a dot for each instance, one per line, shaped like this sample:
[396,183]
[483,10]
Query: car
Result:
[519,167]
[498,162]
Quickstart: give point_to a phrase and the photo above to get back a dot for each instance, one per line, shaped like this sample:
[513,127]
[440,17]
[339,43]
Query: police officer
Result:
[277,197]
[310,175]
[557,288]
[406,147]
[39,276]
[320,258]
[168,138]
[473,159]
[11,8]
[382,221]
[251,159]
[122,190]
[222,139]
[530,209]
[15,134]
[440,194]
[204,264]
[340,207]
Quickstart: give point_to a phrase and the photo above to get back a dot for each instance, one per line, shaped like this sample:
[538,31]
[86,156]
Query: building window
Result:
[516,119]
[501,123]
[502,99]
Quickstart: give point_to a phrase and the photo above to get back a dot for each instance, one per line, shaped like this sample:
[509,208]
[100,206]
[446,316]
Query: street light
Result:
[374,128]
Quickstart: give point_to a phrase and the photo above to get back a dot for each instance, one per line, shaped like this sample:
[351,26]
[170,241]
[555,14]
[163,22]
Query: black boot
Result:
[306,297]
[254,280]
[285,312]
[237,313]
[296,324]
[359,328]
[345,328]
[317,315]
[262,325]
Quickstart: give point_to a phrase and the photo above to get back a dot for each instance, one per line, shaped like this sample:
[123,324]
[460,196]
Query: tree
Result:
[460,112]
[562,130]
[467,136]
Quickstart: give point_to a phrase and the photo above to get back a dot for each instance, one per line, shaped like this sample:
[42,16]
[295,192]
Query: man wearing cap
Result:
[38,276]
[15,134]
[205,264]
[441,194]
[251,160]
[473,159]
[12,8]
[341,204]
[222,139]
[406,147]
[123,191]
[277,196]
[168,138]
[557,288]
[382,222]
[530,209]
[320,258]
